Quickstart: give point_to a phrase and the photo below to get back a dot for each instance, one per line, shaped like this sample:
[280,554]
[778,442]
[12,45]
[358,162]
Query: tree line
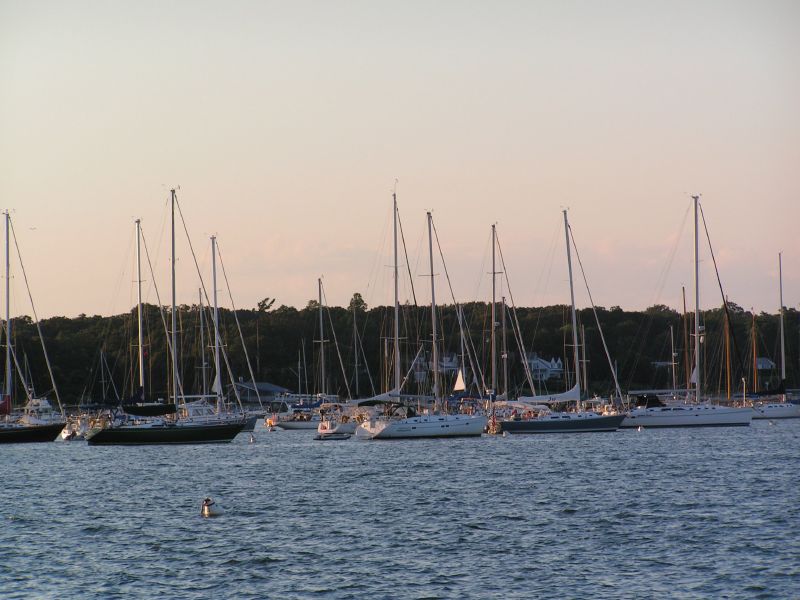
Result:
[94,358]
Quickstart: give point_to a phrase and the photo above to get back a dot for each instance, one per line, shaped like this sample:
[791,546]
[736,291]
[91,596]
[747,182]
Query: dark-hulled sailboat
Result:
[38,422]
[164,423]
[543,420]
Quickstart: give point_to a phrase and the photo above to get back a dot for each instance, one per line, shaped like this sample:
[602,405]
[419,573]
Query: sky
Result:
[287,125]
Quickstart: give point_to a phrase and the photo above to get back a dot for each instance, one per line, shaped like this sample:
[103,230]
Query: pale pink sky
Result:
[286,124]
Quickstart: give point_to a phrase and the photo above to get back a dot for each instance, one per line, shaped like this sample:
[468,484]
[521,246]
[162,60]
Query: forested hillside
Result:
[279,340]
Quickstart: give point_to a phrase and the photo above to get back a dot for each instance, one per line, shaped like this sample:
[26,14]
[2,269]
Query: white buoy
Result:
[505,434]
[640,428]
[252,439]
[209,508]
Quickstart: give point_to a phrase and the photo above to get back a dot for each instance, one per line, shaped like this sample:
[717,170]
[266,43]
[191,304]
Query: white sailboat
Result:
[37,422]
[697,413]
[402,421]
[778,408]
[538,418]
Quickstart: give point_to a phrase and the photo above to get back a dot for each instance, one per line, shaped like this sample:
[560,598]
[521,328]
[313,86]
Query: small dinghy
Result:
[332,436]
[209,508]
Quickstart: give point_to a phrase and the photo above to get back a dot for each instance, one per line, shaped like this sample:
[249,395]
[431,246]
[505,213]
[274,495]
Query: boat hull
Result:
[568,425]
[688,416]
[25,434]
[294,425]
[132,435]
[332,436]
[776,410]
[434,426]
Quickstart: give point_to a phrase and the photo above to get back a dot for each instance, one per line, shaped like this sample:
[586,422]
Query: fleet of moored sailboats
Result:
[207,418]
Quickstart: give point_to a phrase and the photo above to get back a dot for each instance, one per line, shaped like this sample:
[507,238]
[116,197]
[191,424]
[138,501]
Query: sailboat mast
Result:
[435,353]
[584,360]
[139,302]
[504,351]
[727,357]
[202,343]
[672,357]
[685,341]
[783,347]
[755,354]
[494,311]
[174,310]
[321,341]
[217,370]
[8,314]
[355,347]
[396,304]
[574,316]
[696,304]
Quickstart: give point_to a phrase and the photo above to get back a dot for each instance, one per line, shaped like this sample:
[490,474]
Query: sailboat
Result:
[401,420]
[164,423]
[780,409]
[697,413]
[38,422]
[537,416]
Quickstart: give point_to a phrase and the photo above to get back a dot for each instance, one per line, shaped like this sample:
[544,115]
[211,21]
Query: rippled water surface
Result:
[705,513]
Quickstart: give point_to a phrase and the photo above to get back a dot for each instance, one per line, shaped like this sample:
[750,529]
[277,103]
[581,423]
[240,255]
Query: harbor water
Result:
[684,513]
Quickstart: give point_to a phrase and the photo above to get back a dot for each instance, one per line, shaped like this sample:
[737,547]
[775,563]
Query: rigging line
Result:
[631,359]
[336,344]
[36,318]
[596,318]
[721,291]
[239,327]
[28,392]
[205,293]
[170,349]
[405,252]
[164,218]
[460,313]
[518,330]
[366,364]
[550,258]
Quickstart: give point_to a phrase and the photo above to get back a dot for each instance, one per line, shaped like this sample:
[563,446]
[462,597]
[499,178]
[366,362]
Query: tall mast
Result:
[174,310]
[685,341]
[574,317]
[584,360]
[727,357]
[355,346]
[672,358]
[202,343]
[504,351]
[217,370]
[139,303]
[396,305]
[696,305]
[494,315]
[755,355]
[8,313]
[783,348]
[321,341]
[433,317]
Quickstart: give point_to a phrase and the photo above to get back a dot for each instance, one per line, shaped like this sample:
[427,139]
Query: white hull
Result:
[431,426]
[776,410]
[335,427]
[293,425]
[701,415]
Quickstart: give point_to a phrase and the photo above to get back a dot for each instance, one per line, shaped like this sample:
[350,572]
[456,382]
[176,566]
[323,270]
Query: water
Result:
[670,513]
